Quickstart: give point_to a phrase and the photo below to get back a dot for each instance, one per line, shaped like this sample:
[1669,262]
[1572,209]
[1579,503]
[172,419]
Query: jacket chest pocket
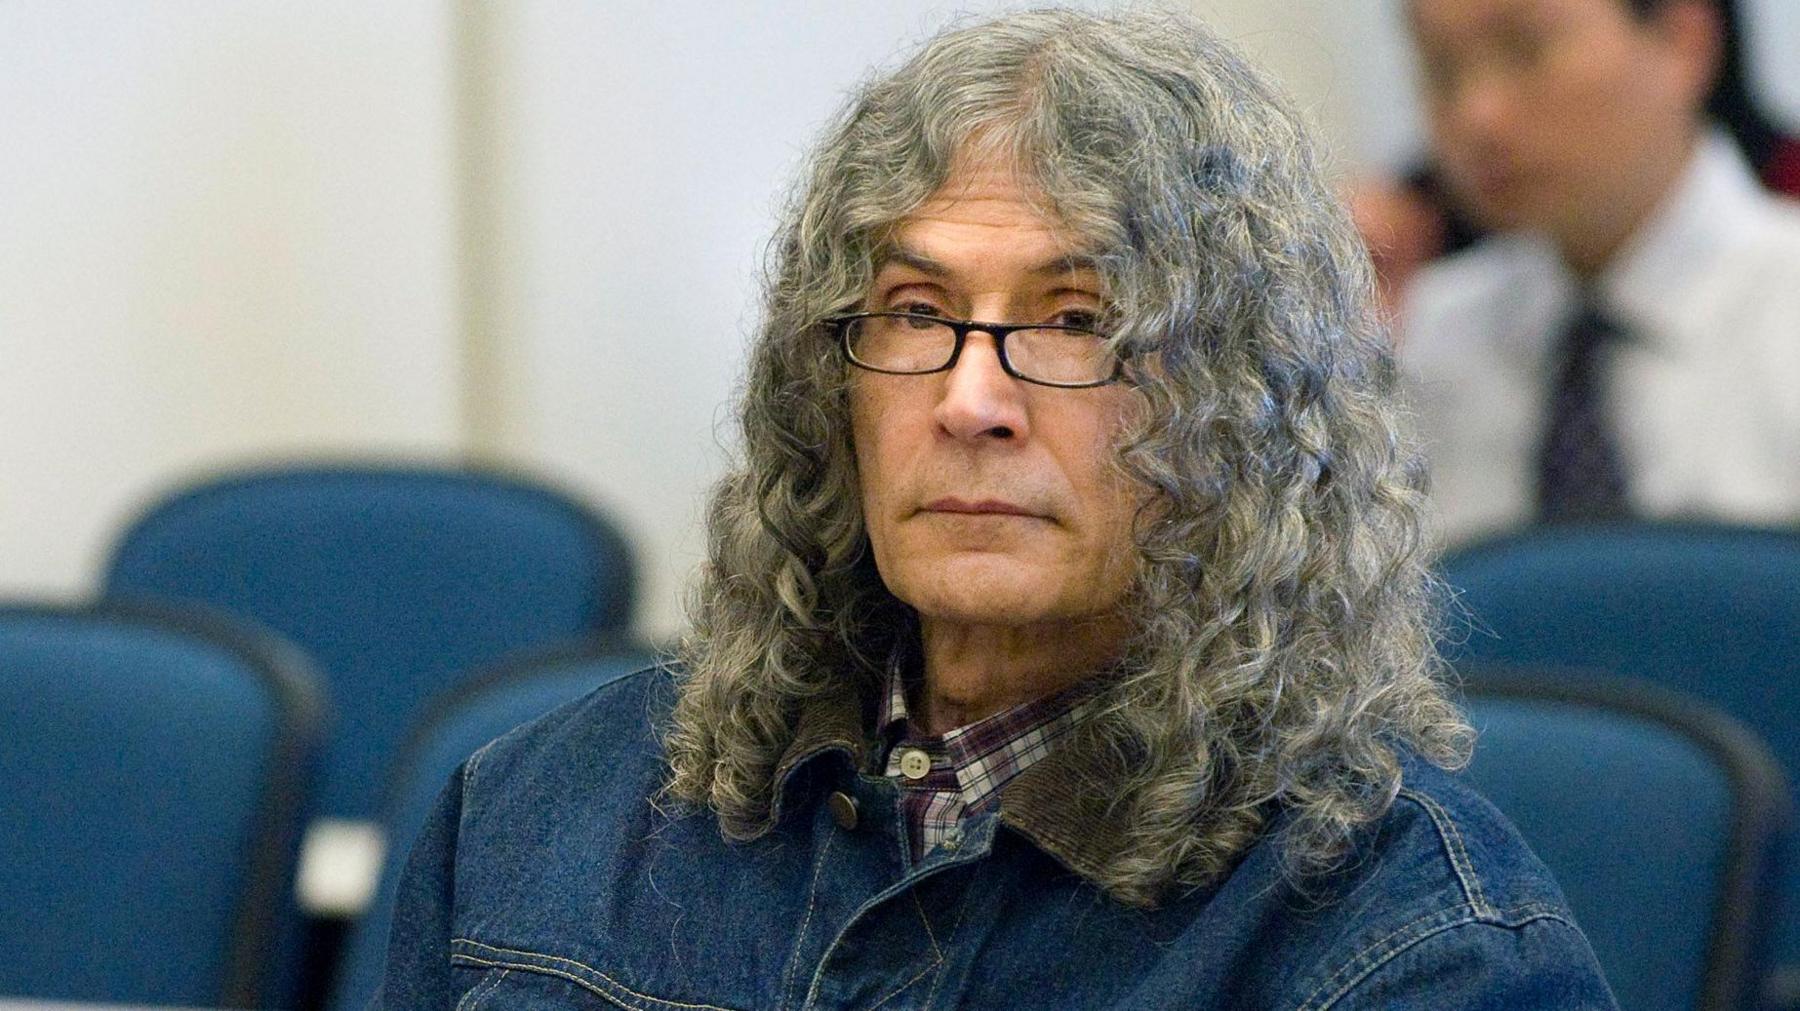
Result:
[481,994]
[512,978]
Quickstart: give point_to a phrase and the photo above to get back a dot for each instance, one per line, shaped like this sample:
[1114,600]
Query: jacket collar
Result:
[831,722]
[1055,803]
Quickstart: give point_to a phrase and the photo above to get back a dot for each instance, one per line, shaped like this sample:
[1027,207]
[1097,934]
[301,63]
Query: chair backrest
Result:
[455,728]
[396,581]
[153,767]
[1662,819]
[1710,611]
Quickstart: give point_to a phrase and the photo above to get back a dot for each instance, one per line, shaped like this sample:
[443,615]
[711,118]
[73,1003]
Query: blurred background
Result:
[522,233]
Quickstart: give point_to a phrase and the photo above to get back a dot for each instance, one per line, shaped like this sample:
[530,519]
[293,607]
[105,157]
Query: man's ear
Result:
[1692,33]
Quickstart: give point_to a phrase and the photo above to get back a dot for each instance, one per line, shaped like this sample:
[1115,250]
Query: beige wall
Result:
[224,233]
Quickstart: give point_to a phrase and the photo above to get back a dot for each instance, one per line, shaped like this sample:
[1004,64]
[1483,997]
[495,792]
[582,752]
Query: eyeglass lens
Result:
[919,344]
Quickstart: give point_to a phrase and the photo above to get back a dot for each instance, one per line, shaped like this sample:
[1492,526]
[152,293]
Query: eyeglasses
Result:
[914,344]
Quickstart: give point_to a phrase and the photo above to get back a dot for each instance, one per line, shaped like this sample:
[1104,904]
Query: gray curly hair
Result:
[1281,652]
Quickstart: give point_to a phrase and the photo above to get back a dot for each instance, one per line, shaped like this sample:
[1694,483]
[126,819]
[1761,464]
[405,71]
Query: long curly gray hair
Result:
[1281,612]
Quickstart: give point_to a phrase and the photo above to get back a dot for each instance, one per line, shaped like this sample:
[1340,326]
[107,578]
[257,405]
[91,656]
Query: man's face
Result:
[988,500]
[1546,112]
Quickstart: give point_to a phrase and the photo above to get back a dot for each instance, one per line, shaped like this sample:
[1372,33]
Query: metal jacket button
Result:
[843,810]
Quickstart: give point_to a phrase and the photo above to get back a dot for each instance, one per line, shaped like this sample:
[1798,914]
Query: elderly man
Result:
[1063,639]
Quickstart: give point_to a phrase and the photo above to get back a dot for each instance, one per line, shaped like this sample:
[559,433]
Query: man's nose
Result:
[980,401]
[1480,105]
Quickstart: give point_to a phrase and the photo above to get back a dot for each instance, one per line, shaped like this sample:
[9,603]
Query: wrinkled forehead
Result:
[989,193]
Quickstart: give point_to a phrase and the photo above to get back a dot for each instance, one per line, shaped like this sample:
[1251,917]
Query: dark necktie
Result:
[1580,475]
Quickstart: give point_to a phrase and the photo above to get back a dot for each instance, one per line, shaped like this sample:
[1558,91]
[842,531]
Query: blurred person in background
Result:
[1077,657]
[1626,341]
[1410,221]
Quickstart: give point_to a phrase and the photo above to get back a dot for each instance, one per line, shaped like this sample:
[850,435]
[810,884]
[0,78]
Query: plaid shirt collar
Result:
[970,764]
[1057,803]
[988,743]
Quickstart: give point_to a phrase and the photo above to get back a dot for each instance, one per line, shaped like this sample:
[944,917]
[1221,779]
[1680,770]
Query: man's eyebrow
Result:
[896,253]
[1073,263]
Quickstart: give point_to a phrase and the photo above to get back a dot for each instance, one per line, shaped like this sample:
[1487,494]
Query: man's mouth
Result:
[979,507]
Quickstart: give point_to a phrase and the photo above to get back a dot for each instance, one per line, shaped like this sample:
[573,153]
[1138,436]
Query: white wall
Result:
[1345,63]
[225,232]
[1774,30]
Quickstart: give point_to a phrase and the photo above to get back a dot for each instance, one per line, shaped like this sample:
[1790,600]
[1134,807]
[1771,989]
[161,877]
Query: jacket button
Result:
[914,764]
[843,810]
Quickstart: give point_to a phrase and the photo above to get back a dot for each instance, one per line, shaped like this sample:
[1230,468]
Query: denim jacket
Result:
[549,877]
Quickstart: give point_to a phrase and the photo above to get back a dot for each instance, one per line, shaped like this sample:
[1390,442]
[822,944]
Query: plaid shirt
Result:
[944,779]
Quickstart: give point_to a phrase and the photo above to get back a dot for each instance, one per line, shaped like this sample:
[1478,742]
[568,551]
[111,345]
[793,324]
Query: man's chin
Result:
[979,590]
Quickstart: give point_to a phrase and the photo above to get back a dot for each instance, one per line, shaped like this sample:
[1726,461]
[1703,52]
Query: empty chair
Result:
[1711,611]
[153,768]
[395,580]
[458,725]
[1661,818]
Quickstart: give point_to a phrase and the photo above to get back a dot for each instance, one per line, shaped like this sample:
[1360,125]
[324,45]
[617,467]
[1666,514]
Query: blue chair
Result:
[1662,819]
[456,727]
[153,769]
[396,580]
[1710,611]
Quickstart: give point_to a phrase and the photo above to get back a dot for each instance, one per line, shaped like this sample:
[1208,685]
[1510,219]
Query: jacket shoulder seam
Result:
[1455,849]
[1367,961]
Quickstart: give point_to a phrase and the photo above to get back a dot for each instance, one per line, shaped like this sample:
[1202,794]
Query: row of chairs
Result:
[382,587]
[158,765]
[1662,820]
[1702,624]
[399,584]
[157,780]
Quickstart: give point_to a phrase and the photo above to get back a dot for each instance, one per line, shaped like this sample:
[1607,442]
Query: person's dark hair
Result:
[1732,102]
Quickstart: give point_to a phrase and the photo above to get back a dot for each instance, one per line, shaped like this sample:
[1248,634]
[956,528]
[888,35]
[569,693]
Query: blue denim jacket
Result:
[548,878]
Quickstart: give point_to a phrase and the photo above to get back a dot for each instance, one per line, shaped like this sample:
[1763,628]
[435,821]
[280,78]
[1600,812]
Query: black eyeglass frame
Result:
[962,328]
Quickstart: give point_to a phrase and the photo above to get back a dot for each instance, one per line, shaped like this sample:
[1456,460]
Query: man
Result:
[1075,657]
[1629,345]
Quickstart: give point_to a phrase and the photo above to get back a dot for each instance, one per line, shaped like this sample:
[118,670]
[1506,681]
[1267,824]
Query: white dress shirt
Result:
[1703,397]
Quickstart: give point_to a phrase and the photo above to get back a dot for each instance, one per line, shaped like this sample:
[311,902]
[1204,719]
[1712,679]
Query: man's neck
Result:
[1589,249]
[974,671]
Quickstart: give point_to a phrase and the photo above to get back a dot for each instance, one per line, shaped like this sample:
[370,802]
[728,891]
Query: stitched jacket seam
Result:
[1366,962]
[553,965]
[479,992]
[937,956]
[789,979]
[1455,849]
[544,970]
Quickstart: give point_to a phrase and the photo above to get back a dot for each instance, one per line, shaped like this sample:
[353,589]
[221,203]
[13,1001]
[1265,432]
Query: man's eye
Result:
[919,309]
[1086,319]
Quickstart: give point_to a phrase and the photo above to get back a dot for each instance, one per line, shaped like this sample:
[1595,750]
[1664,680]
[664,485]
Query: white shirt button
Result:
[914,764]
